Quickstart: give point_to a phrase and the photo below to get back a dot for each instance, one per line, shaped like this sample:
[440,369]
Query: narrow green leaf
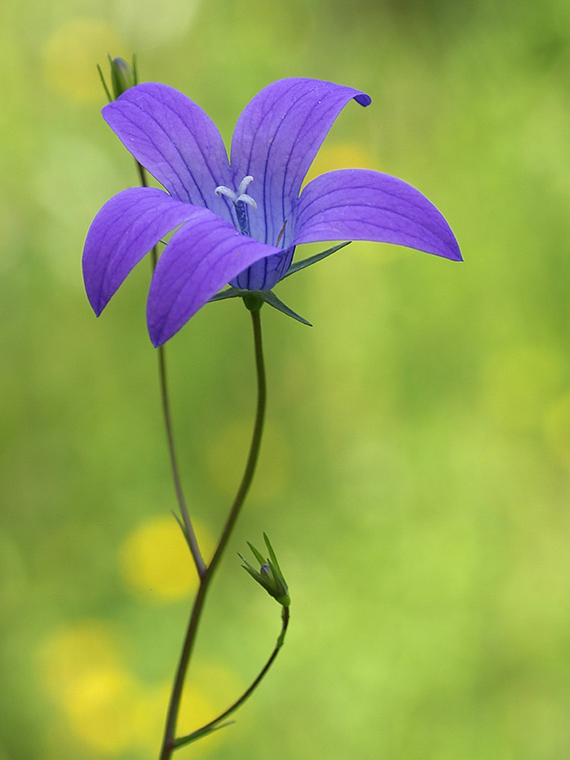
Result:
[298,265]
[183,529]
[228,293]
[104,83]
[269,297]
[184,740]
[135,72]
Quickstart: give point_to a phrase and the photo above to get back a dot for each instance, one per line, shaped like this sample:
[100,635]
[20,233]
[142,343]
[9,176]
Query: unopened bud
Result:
[122,76]
[269,574]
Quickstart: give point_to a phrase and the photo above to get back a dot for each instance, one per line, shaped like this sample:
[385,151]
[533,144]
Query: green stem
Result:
[213,724]
[186,522]
[169,741]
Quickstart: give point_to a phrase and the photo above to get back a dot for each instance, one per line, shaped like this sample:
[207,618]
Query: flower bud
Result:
[269,574]
[123,76]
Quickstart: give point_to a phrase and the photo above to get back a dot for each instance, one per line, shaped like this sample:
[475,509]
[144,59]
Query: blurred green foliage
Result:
[415,478]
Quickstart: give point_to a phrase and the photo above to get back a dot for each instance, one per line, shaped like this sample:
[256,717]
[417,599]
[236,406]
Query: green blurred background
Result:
[415,476]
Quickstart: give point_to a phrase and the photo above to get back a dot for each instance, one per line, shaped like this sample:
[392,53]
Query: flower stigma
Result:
[239,199]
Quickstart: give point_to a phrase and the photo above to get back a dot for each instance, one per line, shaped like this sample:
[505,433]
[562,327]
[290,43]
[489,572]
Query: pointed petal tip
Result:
[455,251]
[363,99]
[156,339]
[96,302]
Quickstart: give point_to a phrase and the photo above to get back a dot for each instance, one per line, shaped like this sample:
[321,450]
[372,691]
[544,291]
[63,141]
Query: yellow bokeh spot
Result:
[343,155]
[106,710]
[71,56]
[82,669]
[155,559]
[74,652]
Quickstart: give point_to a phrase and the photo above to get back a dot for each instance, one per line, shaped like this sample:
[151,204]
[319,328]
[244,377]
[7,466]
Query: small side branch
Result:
[215,724]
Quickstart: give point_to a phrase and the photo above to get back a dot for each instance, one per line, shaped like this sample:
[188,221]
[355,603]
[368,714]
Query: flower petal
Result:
[265,274]
[359,204]
[124,230]
[176,141]
[275,141]
[199,259]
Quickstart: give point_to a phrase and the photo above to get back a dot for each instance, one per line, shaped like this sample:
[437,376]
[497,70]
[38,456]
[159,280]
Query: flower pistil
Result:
[240,199]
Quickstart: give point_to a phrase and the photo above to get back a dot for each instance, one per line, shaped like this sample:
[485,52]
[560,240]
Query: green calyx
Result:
[254,299]
[269,574]
[123,77]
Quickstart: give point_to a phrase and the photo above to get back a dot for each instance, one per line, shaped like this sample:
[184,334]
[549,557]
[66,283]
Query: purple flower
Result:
[239,222]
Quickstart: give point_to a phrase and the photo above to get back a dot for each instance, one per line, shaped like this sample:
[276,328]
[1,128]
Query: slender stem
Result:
[188,529]
[213,724]
[169,741]
[187,523]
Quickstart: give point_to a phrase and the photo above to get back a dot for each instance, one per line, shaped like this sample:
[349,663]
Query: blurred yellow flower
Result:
[344,155]
[155,559]
[106,709]
[71,56]
[81,667]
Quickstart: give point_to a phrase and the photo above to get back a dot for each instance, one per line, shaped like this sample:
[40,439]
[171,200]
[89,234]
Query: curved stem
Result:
[186,522]
[213,724]
[169,741]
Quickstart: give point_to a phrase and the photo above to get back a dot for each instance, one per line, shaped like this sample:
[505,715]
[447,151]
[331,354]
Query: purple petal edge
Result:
[200,258]
[176,140]
[275,141]
[361,204]
[122,233]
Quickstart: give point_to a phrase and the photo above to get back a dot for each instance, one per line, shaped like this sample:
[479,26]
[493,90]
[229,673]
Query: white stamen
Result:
[223,190]
[241,196]
[247,199]
[244,184]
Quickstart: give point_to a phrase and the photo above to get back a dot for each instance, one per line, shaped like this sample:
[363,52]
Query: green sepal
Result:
[227,293]
[269,574]
[296,266]
[258,555]
[272,555]
[266,296]
[270,298]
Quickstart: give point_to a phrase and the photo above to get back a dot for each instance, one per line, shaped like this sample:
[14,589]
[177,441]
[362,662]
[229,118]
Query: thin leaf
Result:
[184,740]
[269,297]
[104,83]
[298,265]
[228,293]
[183,529]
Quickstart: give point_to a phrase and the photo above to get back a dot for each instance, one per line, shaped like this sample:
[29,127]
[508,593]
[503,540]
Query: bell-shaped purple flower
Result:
[239,222]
